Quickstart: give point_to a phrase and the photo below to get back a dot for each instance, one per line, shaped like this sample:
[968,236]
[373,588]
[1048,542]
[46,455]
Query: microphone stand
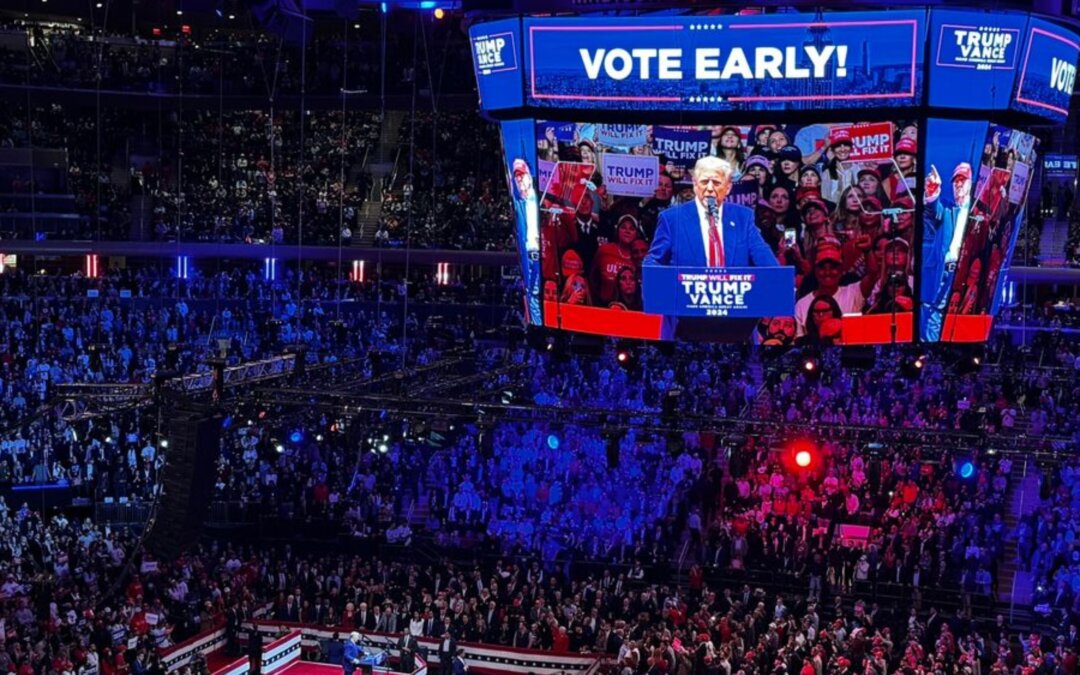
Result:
[891,213]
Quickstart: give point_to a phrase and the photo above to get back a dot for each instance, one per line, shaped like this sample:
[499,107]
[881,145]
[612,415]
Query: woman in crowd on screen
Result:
[729,146]
[845,220]
[576,291]
[823,322]
[628,290]
[757,168]
[810,177]
[778,140]
[835,169]
[901,180]
[788,164]
[549,145]
[759,139]
[611,257]
[781,200]
[869,181]
[897,297]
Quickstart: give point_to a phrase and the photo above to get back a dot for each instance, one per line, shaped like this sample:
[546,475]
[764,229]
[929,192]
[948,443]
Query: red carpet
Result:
[309,668]
[218,659]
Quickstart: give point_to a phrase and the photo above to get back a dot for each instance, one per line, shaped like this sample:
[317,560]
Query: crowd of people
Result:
[845,224]
[1046,543]
[573,499]
[215,176]
[450,190]
[244,60]
[128,325]
[64,607]
[640,625]
[255,176]
[549,533]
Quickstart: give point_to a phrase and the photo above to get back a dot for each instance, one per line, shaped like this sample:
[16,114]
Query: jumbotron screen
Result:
[833,204]
[978,179]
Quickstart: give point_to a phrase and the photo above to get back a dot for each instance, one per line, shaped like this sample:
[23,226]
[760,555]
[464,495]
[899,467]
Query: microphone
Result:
[710,205]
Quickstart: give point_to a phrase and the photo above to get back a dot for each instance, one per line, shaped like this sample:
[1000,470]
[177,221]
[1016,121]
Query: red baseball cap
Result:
[828,253]
[839,135]
[963,169]
[905,146]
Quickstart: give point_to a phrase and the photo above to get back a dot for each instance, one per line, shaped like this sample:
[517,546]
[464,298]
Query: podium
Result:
[719,304]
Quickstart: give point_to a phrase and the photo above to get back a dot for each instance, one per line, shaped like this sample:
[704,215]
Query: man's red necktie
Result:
[716,247]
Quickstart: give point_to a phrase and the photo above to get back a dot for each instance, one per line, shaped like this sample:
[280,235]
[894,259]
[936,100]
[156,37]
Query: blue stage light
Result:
[296,436]
[967,470]
[553,441]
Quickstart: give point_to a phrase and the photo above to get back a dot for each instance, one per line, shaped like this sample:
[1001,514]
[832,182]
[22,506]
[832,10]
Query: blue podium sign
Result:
[713,292]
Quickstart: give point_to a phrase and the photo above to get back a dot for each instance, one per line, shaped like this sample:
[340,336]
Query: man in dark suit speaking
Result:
[707,232]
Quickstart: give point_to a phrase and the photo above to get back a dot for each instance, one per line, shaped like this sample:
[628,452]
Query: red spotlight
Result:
[801,456]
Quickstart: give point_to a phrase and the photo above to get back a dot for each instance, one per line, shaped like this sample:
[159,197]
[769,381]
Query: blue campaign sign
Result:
[732,292]
[496,51]
[1059,166]
[1047,71]
[975,58]
[775,62]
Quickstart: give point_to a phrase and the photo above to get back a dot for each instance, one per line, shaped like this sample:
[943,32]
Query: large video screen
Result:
[977,185]
[762,62]
[834,203]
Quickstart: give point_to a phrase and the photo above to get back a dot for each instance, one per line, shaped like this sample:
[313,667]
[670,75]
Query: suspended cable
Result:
[341,172]
[409,206]
[300,170]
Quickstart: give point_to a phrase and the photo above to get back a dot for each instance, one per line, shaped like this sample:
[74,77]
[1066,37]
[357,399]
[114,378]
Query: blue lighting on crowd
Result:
[553,441]
[967,470]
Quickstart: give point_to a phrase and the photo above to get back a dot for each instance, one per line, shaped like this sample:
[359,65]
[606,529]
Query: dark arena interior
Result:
[582,337]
